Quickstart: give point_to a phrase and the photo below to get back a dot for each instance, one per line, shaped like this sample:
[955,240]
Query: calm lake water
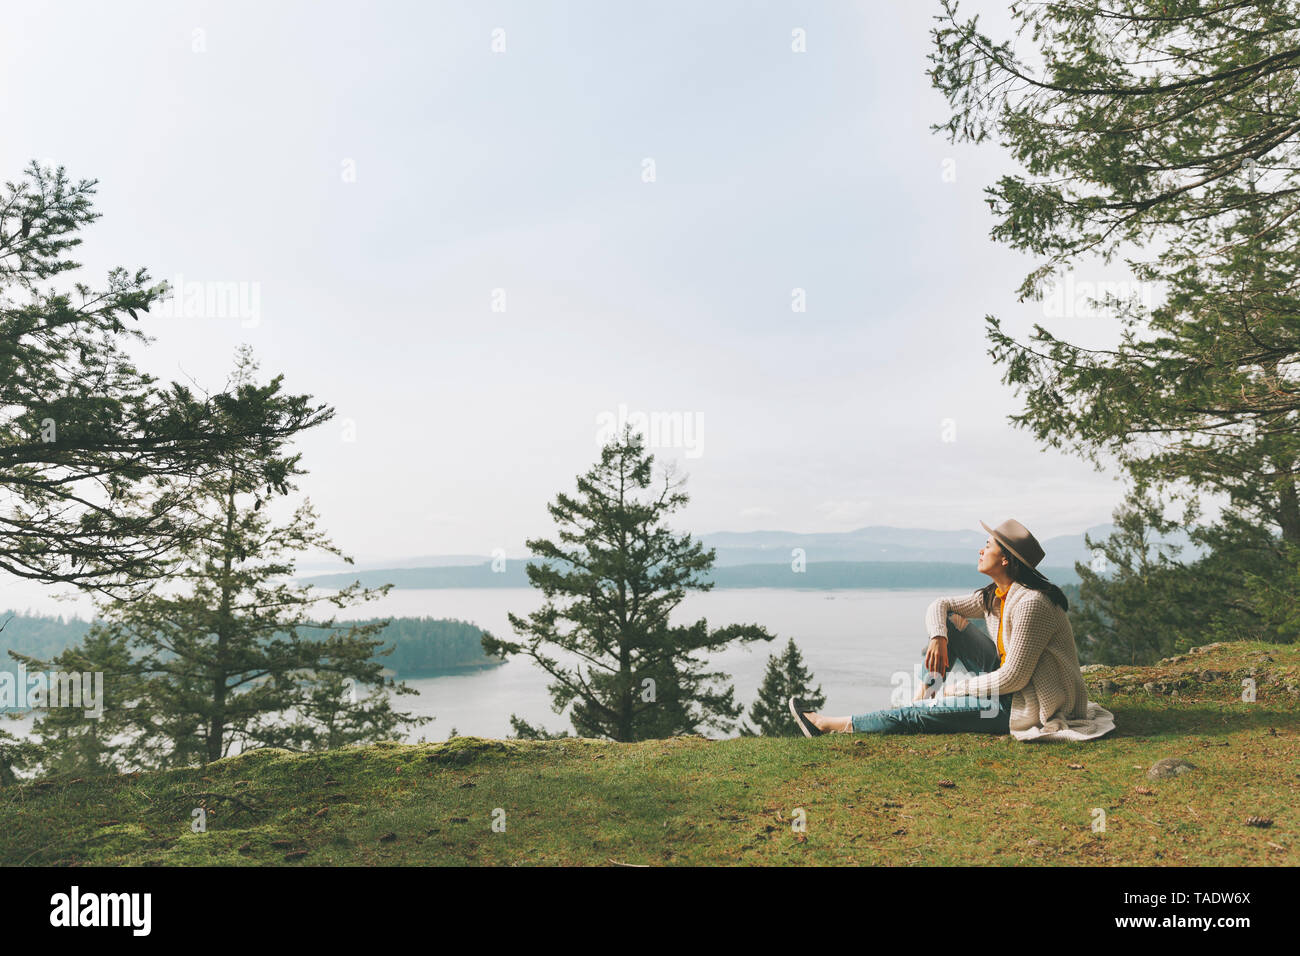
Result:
[854,643]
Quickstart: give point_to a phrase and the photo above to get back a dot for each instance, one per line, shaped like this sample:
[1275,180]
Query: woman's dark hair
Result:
[1024,575]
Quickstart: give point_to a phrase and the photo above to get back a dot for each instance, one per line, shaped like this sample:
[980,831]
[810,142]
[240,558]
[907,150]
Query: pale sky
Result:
[378,177]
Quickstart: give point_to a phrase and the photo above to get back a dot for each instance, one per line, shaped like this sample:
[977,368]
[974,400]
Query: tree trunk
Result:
[624,652]
[217,721]
[624,731]
[1289,512]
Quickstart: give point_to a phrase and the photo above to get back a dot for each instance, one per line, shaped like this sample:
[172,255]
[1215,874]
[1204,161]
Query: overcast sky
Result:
[644,187]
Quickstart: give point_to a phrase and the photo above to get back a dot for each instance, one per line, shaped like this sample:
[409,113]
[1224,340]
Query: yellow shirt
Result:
[1001,595]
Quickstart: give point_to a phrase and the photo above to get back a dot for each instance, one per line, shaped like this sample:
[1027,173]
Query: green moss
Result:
[462,751]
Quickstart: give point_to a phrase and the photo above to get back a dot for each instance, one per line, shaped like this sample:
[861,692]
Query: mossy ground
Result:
[924,800]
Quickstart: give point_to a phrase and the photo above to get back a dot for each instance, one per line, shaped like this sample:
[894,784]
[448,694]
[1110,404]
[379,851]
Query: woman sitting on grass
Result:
[1028,683]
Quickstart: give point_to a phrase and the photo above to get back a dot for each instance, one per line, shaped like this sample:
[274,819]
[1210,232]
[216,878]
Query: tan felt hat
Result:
[1015,537]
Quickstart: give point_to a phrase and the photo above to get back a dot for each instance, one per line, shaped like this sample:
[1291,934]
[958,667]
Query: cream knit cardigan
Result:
[1041,671]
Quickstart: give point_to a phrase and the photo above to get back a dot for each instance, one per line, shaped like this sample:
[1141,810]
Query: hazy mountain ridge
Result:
[875,544]
[862,558]
[880,543]
[816,574]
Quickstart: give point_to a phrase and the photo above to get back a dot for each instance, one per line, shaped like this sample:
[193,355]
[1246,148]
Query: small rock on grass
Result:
[1170,767]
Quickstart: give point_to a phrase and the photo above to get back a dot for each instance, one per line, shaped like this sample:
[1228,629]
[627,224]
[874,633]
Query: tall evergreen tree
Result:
[232,654]
[611,582]
[786,677]
[1169,133]
[97,458]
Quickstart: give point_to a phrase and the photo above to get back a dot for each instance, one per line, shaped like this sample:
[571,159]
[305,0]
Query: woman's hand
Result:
[936,655]
[957,619]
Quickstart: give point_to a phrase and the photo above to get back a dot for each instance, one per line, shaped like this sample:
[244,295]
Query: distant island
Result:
[420,646]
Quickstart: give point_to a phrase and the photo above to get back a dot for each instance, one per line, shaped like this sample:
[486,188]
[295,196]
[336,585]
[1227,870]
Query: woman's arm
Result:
[1035,624]
[936,615]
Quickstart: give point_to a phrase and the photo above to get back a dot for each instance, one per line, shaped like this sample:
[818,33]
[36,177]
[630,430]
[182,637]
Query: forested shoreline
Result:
[421,646]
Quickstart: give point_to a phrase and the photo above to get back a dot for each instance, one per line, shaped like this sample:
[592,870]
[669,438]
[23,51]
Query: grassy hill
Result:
[934,799]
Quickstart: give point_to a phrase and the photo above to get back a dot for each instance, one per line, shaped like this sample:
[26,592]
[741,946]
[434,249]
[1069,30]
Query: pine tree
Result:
[231,654]
[785,677]
[1165,132]
[604,634]
[97,458]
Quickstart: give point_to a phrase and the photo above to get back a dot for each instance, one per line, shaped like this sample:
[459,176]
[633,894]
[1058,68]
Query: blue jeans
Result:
[952,715]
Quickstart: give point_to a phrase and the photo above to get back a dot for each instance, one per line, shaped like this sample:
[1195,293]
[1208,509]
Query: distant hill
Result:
[818,574]
[872,557]
[865,574]
[372,564]
[474,576]
[882,543]
[875,544]
[39,635]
